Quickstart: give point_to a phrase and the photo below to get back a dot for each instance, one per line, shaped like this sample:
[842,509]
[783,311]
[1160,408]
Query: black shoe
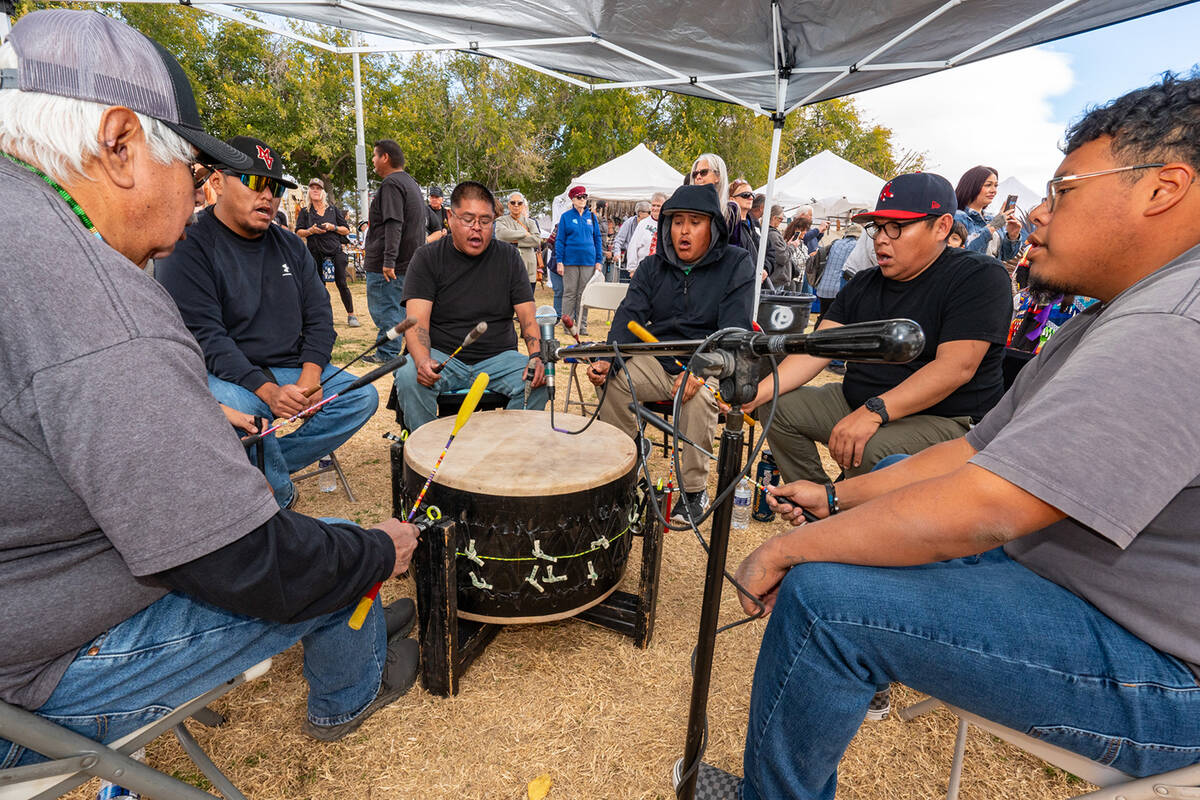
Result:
[711,783]
[399,674]
[881,705]
[690,507]
[373,358]
[399,617]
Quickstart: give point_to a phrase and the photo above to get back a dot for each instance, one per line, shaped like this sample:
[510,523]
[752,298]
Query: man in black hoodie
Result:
[695,284]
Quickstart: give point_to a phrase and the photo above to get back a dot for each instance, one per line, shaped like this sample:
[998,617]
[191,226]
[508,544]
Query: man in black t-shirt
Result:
[453,284]
[397,229]
[435,216]
[963,303]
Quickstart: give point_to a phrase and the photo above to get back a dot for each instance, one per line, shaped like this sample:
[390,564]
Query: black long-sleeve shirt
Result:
[250,303]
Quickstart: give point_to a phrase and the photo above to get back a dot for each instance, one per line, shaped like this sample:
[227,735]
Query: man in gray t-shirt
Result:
[1042,570]
[143,560]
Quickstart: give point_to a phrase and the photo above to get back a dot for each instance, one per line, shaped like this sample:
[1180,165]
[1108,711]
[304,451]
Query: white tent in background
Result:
[631,176]
[1027,198]
[826,179]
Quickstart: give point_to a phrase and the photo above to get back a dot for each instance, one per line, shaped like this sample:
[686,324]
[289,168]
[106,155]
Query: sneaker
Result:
[399,617]
[711,783]
[399,674]
[690,506]
[352,321]
[881,705]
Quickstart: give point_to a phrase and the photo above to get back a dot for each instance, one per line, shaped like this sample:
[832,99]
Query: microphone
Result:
[546,317]
[889,341]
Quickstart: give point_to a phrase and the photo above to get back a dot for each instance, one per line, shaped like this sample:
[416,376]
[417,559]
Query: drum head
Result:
[515,453]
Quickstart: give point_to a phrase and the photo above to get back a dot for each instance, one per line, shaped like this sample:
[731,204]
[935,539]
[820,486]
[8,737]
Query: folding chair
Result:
[334,466]
[606,296]
[1180,783]
[75,759]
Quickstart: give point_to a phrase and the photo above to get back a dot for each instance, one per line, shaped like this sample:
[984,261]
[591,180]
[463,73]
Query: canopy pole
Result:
[360,148]
[777,120]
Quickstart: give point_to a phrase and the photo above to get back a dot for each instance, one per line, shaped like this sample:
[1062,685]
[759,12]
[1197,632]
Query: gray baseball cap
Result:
[88,56]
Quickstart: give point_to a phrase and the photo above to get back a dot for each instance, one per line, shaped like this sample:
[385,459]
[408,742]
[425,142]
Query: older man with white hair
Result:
[644,241]
[143,559]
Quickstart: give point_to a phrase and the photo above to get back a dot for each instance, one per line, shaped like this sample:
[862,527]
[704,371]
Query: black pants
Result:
[339,277]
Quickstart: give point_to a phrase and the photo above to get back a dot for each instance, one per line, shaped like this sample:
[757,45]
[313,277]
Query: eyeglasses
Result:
[1055,189]
[580,197]
[745,195]
[471,221]
[892,229]
[700,173]
[256,183]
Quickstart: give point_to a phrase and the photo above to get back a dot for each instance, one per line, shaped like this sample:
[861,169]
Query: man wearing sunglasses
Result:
[962,302]
[252,295]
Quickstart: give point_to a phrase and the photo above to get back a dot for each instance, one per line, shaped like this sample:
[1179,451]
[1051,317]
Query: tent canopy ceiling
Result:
[734,52]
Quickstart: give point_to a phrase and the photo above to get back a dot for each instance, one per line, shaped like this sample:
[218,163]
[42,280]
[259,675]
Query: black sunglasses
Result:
[700,173]
[745,195]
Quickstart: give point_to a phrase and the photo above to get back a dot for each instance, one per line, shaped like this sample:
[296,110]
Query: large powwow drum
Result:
[544,519]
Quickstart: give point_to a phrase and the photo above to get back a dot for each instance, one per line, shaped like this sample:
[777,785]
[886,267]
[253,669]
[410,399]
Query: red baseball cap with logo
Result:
[910,196]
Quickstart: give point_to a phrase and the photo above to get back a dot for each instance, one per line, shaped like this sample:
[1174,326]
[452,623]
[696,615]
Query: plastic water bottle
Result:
[111,791]
[767,475]
[741,503]
[327,480]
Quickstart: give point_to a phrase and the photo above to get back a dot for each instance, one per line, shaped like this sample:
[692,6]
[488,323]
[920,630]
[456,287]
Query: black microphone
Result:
[891,341]
[546,317]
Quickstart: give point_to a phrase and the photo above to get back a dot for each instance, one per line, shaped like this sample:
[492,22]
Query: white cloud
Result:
[995,112]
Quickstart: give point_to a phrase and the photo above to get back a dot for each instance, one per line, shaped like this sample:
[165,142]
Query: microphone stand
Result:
[735,360]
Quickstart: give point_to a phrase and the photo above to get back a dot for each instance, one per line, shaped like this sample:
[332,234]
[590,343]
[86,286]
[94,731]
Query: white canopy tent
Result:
[770,56]
[1027,198]
[829,181]
[630,176]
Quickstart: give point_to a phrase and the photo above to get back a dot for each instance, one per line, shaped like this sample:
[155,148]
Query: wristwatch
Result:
[875,405]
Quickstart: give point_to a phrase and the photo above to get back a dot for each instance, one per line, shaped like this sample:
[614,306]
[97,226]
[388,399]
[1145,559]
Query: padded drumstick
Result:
[470,338]
[646,336]
[391,334]
[464,413]
[374,375]
[573,329]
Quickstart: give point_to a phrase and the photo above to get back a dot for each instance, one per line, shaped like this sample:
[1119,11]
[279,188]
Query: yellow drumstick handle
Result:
[464,413]
[638,330]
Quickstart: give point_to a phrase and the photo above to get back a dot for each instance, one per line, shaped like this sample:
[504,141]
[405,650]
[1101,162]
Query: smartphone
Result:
[1010,203]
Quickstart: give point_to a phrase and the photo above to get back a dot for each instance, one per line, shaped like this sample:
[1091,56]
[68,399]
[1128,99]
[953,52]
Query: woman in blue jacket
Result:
[579,252]
[975,191]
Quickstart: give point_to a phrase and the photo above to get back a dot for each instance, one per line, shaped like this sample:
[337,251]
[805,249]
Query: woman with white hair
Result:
[522,231]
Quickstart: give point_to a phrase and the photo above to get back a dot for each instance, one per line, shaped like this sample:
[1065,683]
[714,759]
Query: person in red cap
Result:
[579,251]
[963,303]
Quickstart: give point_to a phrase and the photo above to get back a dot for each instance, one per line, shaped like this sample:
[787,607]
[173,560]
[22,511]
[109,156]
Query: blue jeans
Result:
[505,375]
[982,633]
[325,432]
[178,648]
[384,302]
[556,283]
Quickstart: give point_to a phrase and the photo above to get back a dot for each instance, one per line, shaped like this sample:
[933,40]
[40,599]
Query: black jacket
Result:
[717,291]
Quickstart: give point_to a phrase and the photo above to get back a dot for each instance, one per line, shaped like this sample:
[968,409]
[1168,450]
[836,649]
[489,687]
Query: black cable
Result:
[588,424]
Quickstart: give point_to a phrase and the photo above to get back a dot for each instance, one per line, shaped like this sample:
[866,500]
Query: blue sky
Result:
[1017,129]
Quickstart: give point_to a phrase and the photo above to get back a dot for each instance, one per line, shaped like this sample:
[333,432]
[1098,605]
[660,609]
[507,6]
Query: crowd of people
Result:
[978,537]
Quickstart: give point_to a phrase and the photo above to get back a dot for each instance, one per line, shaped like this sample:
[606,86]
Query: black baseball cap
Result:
[89,56]
[435,191]
[263,160]
[910,196]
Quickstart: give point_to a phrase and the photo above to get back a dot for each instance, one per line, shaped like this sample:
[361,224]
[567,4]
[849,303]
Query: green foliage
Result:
[459,116]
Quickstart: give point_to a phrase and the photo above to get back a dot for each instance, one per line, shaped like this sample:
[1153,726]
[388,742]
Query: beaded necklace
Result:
[63,193]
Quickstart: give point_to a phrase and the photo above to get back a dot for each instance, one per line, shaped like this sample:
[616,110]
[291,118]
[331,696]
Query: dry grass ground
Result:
[604,719]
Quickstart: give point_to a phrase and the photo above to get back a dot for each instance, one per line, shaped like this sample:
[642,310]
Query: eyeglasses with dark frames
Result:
[892,229]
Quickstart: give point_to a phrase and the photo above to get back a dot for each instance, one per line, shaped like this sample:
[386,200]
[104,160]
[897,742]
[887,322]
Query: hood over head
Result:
[702,198]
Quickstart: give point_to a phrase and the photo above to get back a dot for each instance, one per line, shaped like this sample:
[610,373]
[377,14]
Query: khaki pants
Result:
[697,418]
[807,415]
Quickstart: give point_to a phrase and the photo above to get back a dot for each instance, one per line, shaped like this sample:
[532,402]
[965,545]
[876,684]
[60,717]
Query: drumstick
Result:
[389,335]
[358,383]
[471,336]
[646,336]
[464,413]
[573,329]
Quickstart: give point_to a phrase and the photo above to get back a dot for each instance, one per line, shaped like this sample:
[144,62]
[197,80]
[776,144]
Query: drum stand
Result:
[449,644]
